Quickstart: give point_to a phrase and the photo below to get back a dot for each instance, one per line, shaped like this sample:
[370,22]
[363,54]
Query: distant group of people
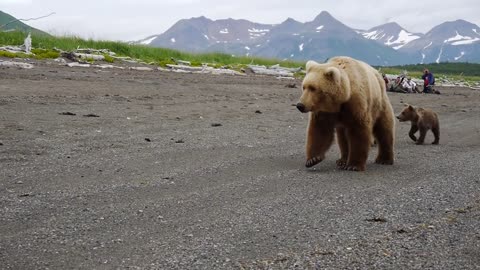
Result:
[404,84]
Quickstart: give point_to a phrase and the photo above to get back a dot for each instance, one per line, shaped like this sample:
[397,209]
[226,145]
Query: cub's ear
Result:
[333,74]
[410,107]
[310,64]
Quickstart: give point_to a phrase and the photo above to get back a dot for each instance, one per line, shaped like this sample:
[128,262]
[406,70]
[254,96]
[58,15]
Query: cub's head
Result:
[325,89]
[408,114]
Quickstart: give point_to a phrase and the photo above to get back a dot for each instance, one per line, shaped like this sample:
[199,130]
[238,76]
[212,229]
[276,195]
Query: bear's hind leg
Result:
[343,145]
[320,136]
[423,133]
[384,133]
[359,139]
[436,134]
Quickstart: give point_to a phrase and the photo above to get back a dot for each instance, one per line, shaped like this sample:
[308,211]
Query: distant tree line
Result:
[462,69]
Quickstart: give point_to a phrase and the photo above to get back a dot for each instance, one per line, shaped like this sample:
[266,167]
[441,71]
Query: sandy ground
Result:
[186,171]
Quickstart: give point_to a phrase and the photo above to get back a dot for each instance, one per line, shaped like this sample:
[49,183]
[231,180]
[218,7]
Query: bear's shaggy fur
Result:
[347,96]
[422,120]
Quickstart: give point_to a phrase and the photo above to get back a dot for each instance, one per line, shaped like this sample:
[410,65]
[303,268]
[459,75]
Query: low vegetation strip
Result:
[467,72]
[158,56]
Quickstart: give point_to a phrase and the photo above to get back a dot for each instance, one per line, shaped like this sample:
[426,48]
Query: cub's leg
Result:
[423,133]
[436,134]
[412,132]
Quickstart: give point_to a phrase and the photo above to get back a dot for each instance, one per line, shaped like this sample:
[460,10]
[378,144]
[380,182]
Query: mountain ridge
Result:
[324,37]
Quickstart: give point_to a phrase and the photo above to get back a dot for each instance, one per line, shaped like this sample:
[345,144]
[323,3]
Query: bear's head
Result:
[408,114]
[325,89]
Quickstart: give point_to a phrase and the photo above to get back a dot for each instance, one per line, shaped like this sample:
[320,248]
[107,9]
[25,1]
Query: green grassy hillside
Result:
[9,23]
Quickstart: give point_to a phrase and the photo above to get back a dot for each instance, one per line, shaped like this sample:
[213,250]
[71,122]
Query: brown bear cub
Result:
[422,120]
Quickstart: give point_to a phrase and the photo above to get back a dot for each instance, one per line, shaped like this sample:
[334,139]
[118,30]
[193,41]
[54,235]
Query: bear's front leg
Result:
[320,135]
[412,132]
[359,139]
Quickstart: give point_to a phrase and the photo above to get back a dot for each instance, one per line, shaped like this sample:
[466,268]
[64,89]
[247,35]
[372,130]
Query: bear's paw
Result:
[313,161]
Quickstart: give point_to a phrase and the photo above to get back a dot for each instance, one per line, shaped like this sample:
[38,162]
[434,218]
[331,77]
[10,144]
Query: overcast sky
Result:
[136,19]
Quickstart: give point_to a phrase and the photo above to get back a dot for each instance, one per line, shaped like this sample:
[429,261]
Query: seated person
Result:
[410,86]
[428,81]
[397,84]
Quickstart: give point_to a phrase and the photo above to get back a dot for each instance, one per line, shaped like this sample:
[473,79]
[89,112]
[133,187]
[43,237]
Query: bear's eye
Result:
[311,89]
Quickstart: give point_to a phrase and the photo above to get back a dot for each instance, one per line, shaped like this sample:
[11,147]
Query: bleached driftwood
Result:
[142,68]
[87,56]
[14,49]
[61,61]
[76,64]
[181,62]
[219,71]
[278,67]
[185,68]
[203,69]
[126,59]
[16,64]
[102,66]
[95,51]
[263,70]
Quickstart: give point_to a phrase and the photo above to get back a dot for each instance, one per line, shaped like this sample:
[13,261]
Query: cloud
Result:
[128,20]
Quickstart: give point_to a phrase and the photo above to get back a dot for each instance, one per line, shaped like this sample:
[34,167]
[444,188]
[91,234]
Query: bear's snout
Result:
[301,107]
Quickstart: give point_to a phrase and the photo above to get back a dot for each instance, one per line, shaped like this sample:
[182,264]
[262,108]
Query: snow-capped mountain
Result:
[391,35]
[202,34]
[322,38]
[457,41]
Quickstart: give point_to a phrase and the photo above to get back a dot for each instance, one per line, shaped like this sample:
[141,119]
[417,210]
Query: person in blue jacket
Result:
[428,81]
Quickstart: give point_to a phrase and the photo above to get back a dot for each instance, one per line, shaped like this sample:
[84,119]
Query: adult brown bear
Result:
[347,96]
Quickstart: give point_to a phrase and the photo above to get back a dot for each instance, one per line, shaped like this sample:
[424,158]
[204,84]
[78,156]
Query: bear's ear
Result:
[310,64]
[332,74]
[410,107]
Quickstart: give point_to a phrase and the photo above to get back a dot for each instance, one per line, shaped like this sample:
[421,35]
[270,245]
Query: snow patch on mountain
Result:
[439,56]
[147,41]
[465,42]
[373,35]
[256,33]
[429,44]
[460,40]
[403,38]
[460,56]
